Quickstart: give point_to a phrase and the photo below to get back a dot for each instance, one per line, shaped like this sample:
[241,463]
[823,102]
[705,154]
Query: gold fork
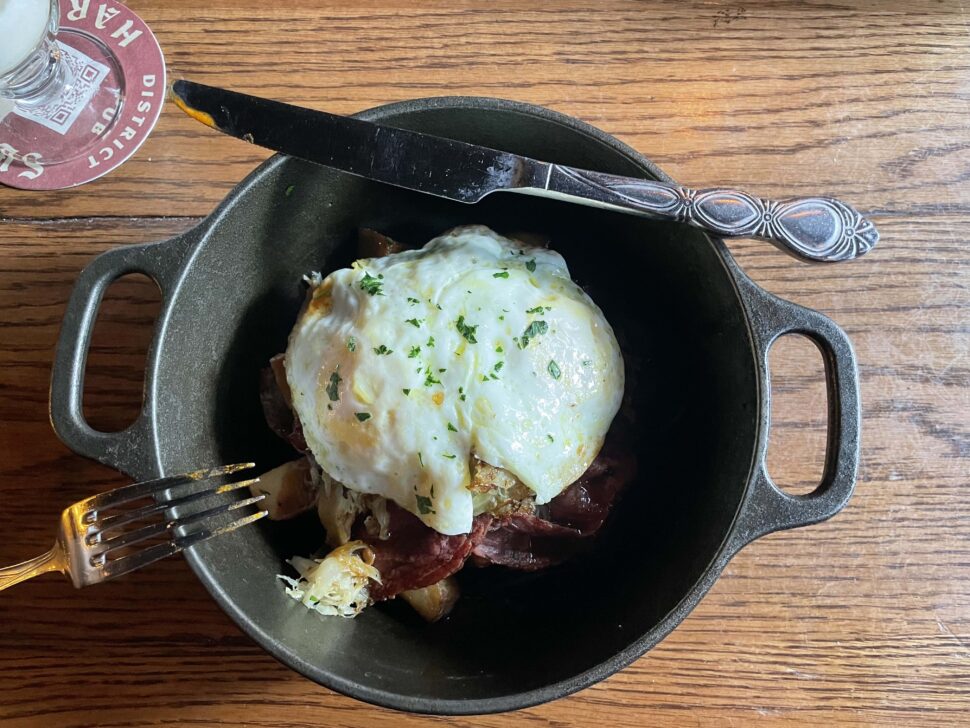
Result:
[96,535]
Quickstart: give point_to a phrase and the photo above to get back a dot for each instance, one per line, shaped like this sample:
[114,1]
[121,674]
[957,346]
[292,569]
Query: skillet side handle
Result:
[768,508]
[128,450]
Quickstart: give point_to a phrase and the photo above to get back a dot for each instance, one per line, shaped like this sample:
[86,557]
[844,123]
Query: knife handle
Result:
[818,229]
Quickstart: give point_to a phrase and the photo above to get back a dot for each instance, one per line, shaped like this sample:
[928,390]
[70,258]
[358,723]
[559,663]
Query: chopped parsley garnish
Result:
[332,392]
[551,438]
[382,350]
[351,344]
[531,331]
[539,309]
[530,265]
[406,392]
[430,342]
[587,362]
[452,428]
[499,349]
[466,330]
[424,504]
[289,190]
[461,393]
[416,323]
[372,285]
[413,353]
[503,274]
[493,375]
[554,371]
[442,370]
[429,378]
[498,365]
[362,416]
[412,301]
[450,456]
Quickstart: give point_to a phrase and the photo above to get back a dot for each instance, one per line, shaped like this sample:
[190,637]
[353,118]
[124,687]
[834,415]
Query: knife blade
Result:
[433,165]
[809,228]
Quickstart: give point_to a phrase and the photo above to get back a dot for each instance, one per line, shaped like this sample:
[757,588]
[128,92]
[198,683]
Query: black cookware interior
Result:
[675,308]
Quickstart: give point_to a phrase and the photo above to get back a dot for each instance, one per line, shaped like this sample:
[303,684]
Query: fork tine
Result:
[155,553]
[126,493]
[123,519]
[130,538]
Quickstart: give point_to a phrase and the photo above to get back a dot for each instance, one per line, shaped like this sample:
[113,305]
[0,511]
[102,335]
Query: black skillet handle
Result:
[766,507]
[129,450]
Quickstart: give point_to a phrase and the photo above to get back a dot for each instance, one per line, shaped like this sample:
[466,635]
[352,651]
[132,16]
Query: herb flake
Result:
[452,428]
[429,378]
[351,344]
[503,274]
[413,353]
[536,328]
[406,392]
[362,416]
[466,330]
[530,265]
[332,392]
[372,285]
[554,371]
[382,350]
[424,504]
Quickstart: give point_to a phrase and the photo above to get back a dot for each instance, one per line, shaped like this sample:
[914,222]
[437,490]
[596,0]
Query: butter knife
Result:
[816,229]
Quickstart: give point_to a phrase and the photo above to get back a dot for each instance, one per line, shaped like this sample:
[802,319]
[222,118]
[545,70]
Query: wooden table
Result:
[863,620]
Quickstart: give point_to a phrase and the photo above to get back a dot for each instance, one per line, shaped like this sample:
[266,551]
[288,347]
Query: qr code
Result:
[61,113]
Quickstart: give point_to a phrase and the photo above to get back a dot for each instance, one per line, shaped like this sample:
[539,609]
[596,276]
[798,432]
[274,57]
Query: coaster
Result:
[116,96]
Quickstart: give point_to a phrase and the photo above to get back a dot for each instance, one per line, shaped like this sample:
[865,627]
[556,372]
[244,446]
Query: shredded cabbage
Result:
[337,508]
[336,584]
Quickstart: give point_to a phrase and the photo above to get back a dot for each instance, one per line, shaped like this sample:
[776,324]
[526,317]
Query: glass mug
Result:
[61,87]
[31,69]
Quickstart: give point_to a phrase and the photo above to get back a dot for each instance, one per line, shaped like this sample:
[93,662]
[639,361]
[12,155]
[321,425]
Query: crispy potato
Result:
[289,490]
[435,601]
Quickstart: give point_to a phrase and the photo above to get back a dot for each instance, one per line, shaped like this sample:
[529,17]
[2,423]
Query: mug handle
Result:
[130,450]
[767,508]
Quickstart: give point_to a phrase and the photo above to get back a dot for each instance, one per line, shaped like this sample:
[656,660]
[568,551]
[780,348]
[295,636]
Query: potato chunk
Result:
[435,601]
[289,490]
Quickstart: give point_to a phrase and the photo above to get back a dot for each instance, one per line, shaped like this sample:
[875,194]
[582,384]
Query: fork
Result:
[96,535]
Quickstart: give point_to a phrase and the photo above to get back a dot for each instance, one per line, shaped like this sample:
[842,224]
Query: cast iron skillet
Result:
[698,329]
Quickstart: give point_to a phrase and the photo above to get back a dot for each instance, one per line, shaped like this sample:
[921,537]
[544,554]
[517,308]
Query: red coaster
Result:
[114,102]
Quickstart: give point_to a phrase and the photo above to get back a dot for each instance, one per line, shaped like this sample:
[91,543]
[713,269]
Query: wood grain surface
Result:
[863,620]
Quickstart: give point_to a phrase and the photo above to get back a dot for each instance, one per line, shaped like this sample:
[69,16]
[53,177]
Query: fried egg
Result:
[404,368]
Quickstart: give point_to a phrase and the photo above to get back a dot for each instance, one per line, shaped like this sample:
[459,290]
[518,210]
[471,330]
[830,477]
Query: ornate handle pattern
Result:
[51,561]
[810,228]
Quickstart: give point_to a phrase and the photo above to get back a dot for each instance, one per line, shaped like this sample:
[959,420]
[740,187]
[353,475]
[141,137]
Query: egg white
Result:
[403,367]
